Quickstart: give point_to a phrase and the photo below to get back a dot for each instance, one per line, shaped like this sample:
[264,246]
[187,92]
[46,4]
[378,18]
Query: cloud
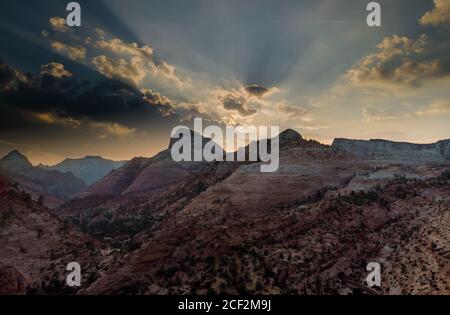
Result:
[235,100]
[115,58]
[372,114]
[233,103]
[113,129]
[119,47]
[162,103]
[313,125]
[407,62]
[56,94]
[77,53]
[132,71]
[8,76]
[292,112]
[256,90]
[168,72]
[45,112]
[59,24]
[52,119]
[399,61]
[103,130]
[131,55]
[56,70]
[435,108]
[439,16]
[100,33]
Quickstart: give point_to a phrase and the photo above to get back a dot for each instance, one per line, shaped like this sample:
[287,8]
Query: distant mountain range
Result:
[58,183]
[90,169]
[54,186]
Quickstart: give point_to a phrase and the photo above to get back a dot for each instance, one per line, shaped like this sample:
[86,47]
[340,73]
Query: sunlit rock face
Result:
[396,152]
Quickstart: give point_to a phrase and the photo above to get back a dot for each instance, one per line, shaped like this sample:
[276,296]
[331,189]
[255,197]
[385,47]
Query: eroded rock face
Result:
[444,147]
[318,247]
[396,152]
[36,246]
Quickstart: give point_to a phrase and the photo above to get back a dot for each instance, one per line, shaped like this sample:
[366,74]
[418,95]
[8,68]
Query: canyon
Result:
[155,226]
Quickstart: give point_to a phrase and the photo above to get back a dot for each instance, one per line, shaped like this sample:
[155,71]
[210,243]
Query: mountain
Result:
[310,228]
[151,175]
[16,162]
[53,185]
[36,246]
[224,227]
[90,169]
[396,152]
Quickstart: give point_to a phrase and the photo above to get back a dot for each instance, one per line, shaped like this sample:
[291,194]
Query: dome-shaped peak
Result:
[290,137]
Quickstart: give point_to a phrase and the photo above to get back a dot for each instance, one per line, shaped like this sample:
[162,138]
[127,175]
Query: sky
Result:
[117,85]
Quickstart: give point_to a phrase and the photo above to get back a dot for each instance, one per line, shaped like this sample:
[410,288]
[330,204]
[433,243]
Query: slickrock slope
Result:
[36,247]
[318,247]
[306,169]
[396,152]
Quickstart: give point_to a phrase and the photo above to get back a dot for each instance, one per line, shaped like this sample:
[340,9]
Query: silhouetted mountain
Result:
[90,169]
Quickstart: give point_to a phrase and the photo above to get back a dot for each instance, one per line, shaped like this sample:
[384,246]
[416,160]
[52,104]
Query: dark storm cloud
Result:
[238,104]
[256,90]
[58,93]
[6,75]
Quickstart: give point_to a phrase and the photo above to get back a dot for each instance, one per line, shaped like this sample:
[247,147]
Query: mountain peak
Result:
[291,134]
[15,161]
[291,137]
[15,154]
